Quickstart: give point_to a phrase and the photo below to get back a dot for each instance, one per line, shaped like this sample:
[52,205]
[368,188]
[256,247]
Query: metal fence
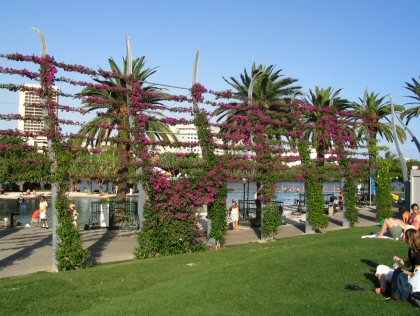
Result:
[250,211]
[113,215]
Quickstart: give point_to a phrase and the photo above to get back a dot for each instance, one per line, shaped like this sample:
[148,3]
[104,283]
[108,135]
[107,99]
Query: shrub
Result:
[170,225]
[313,189]
[271,220]
[383,187]
[217,214]
[350,200]
[315,204]
[70,254]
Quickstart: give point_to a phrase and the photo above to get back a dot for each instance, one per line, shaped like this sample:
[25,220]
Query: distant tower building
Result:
[30,106]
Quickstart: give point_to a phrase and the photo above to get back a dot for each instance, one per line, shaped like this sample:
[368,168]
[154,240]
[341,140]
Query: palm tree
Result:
[322,99]
[395,165]
[115,119]
[376,109]
[270,89]
[415,89]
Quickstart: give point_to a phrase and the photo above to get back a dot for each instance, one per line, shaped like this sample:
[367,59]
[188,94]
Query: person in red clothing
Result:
[35,216]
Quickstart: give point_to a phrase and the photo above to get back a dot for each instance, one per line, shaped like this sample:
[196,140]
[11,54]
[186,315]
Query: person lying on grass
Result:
[395,227]
[384,273]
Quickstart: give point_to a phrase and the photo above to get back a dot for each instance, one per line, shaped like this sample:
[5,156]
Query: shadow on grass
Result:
[370,263]
[371,276]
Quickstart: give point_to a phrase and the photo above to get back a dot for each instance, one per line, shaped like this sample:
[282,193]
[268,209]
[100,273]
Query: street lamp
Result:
[244,180]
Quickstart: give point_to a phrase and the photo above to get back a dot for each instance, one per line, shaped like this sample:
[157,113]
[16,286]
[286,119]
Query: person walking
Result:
[43,208]
[234,214]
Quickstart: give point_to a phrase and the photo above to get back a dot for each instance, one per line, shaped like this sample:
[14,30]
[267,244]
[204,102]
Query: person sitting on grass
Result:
[404,215]
[395,227]
[384,273]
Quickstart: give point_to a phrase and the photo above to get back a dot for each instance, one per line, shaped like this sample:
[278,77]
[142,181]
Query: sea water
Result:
[287,192]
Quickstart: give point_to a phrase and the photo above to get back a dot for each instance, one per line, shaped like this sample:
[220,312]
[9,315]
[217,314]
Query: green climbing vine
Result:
[271,220]
[350,194]
[383,187]
[313,189]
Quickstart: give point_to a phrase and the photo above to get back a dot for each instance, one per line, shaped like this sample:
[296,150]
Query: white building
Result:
[187,133]
[30,105]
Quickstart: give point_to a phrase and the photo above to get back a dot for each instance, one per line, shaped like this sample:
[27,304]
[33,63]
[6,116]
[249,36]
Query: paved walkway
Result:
[28,250]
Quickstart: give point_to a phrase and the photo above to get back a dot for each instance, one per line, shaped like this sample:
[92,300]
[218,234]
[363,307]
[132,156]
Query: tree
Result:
[375,110]
[394,165]
[115,118]
[270,92]
[270,89]
[322,99]
[21,162]
[415,89]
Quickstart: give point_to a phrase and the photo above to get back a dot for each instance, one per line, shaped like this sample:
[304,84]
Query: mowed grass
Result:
[295,276]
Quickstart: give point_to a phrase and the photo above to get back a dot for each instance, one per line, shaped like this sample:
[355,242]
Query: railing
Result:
[250,211]
[114,214]
[328,201]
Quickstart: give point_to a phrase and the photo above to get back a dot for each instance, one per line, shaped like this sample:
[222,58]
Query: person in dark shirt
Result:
[412,237]
[384,273]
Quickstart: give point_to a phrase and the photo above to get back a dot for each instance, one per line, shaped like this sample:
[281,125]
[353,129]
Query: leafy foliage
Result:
[217,208]
[313,189]
[270,87]
[70,254]
[217,214]
[350,200]
[322,99]
[383,183]
[375,110]
[415,89]
[271,220]
[116,116]
[21,162]
[170,225]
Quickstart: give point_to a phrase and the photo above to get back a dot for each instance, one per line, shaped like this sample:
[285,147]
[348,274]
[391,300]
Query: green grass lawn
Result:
[295,276]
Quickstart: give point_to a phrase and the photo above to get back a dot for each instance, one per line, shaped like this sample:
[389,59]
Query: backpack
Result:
[400,287]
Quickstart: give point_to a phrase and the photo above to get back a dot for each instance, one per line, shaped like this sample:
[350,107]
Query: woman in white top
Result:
[234,214]
[43,208]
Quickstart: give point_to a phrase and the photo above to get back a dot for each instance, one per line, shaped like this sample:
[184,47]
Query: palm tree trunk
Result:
[122,173]
[119,216]
[320,155]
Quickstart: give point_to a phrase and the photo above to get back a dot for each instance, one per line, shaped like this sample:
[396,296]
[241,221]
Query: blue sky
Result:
[351,45]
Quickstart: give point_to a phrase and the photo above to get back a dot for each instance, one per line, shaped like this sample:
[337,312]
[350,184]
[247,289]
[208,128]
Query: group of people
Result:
[28,192]
[395,227]
[407,228]
[40,215]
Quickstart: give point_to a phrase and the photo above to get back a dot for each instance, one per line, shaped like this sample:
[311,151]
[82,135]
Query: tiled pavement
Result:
[28,250]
